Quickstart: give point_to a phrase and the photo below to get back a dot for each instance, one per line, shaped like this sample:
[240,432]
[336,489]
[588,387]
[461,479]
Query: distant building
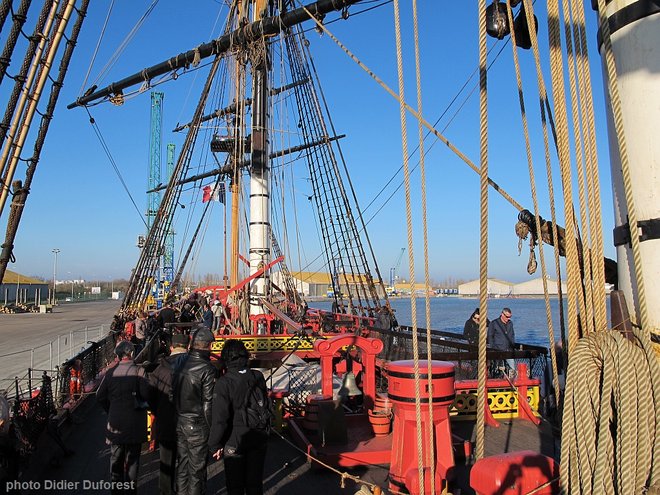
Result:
[404,288]
[495,288]
[501,288]
[307,283]
[534,287]
[317,284]
[19,288]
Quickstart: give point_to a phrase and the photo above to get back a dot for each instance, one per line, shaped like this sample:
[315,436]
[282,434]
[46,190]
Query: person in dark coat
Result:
[164,427]
[243,448]
[193,395]
[187,314]
[166,315]
[471,327]
[122,394]
[207,317]
[501,335]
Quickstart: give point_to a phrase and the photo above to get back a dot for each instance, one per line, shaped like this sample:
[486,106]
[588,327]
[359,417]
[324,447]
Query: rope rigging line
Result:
[428,132]
[572,262]
[19,17]
[483,229]
[121,48]
[376,490]
[341,236]
[597,253]
[577,105]
[363,229]
[19,199]
[113,163]
[426,124]
[148,261]
[532,182]
[430,433]
[96,48]
[584,74]
[411,257]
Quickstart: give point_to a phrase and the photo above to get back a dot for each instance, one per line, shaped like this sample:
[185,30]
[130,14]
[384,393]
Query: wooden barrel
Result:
[381,422]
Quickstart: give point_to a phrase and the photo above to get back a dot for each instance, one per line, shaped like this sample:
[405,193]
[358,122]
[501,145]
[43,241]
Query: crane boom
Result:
[394,269]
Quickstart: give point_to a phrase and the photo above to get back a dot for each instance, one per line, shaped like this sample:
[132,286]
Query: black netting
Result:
[31,416]
[447,346]
[84,367]
[302,382]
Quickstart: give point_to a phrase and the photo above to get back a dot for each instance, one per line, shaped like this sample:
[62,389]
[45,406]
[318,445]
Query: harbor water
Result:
[450,313]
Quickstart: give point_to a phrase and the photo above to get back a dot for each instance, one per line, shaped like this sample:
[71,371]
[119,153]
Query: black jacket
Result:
[228,430]
[117,394]
[193,388]
[471,331]
[164,428]
[166,315]
[501,335]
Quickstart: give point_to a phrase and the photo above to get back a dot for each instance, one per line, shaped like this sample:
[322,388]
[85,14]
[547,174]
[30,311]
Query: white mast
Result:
[635,28]
[260,252]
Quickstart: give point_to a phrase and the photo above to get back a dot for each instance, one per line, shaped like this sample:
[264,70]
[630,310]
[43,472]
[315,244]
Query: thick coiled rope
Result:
[611,432]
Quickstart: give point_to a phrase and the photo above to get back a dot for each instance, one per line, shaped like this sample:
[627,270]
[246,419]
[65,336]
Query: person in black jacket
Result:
[193,395]
[122,394]
[243,448]
[164,427]
[471,328]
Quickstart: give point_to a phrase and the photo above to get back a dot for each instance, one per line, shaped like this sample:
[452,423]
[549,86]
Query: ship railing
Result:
[32,406]
[449,346]
[79,375]
[37,398]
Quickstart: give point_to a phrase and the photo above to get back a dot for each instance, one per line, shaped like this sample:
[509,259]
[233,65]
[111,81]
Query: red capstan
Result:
[405,465]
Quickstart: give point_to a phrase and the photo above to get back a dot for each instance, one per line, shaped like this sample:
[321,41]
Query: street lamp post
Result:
[55,252]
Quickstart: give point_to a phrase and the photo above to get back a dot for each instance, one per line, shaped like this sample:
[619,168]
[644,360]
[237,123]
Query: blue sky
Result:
[78,205]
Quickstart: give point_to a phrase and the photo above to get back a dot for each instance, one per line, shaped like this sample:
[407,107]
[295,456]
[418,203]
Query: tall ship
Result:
[258,179]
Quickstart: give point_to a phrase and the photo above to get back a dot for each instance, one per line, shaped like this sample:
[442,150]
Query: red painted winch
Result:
[404,466]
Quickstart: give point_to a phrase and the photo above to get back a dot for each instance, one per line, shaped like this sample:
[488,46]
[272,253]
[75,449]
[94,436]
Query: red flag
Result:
[211,193]
[206,194]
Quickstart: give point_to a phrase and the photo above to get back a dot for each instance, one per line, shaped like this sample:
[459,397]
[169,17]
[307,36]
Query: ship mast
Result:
[260,244]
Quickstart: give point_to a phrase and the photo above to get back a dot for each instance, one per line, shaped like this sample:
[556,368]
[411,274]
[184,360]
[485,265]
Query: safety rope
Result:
[611,429]
[375,489]
[430,433]
[483,242]
[532,182]
[411,250]
[612,84]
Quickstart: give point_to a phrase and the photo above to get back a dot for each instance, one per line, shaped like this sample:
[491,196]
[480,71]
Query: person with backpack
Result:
[241,418]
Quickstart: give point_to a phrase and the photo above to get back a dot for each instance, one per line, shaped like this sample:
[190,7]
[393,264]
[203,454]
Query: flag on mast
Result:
[214,192]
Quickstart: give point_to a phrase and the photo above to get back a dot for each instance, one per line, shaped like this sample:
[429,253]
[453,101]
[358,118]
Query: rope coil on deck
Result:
[611,435]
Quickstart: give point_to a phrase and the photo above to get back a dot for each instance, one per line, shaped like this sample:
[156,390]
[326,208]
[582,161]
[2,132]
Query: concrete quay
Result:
[43,341]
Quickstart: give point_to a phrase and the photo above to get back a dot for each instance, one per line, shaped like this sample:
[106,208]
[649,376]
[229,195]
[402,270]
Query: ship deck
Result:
[287,470]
